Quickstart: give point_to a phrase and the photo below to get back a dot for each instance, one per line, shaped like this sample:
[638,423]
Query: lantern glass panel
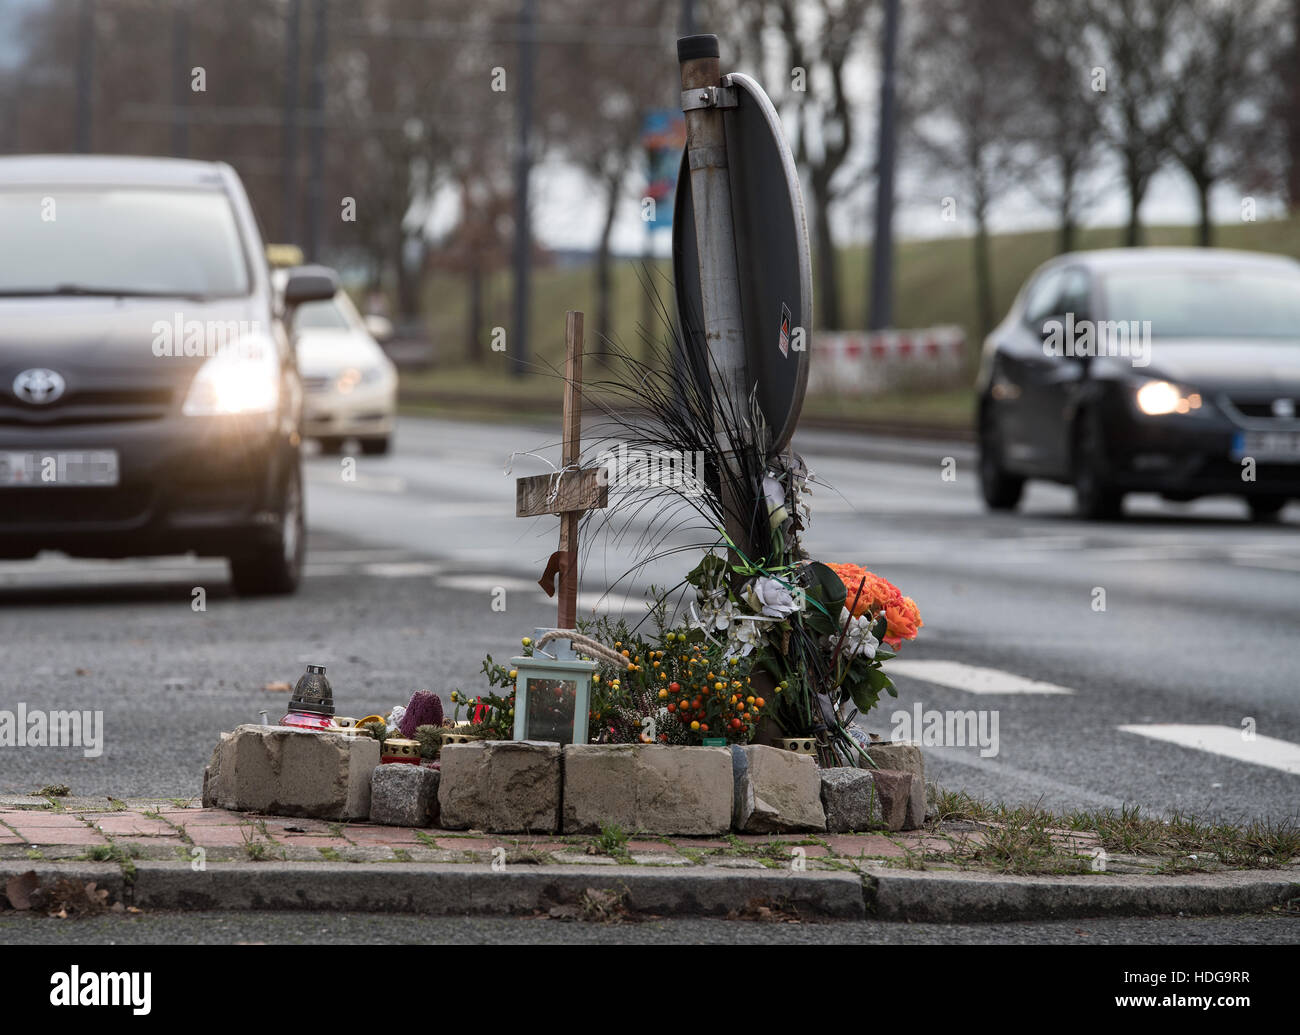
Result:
[551,706]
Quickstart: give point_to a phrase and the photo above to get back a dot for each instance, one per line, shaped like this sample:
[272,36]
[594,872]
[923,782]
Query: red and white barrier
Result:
[865,362]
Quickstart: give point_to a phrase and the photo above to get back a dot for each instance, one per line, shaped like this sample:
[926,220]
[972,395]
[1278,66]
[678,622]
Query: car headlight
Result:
[241,378]
[353,376]
[1156,398]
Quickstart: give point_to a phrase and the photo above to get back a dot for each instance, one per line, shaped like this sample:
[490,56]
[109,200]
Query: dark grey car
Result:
[149,397]
[1163,370]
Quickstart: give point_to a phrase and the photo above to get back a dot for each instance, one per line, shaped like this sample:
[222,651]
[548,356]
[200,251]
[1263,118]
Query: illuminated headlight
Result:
[1157,398]
[352,377]
[242,378]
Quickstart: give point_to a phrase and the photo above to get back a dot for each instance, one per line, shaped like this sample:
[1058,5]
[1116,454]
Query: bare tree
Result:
[1221,90]
[1064,111]
[968,102]
[1135,41]
[811,43]
[600,88]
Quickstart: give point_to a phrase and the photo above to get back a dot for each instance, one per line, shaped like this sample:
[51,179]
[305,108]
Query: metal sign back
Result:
[772,259]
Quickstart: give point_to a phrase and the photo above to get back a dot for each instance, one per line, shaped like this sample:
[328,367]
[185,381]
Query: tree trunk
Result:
[474,318]
[604,328]
[983,274]
[1205,234]
[828,294]
[1133,232]
[1066,210]
[408,283]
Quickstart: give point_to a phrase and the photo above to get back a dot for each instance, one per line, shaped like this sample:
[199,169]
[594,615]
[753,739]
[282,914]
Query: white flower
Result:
[767,596]
[857,636]
[746,637]
[715,615]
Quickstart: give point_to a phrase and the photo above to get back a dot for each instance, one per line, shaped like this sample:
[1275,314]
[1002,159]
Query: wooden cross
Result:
[572,492]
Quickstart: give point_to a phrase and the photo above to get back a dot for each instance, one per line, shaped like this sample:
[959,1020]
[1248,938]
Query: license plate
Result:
[59,467]
[1274,446]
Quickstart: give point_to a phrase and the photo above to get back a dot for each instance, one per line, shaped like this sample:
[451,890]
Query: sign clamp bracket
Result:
[709,97]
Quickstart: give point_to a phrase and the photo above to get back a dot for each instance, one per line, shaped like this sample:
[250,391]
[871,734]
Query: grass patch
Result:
[1028,839]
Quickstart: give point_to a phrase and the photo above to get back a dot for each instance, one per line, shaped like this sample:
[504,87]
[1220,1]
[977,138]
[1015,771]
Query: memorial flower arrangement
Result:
[812,639]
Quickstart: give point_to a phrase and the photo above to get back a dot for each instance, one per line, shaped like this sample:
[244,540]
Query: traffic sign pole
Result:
[715,236]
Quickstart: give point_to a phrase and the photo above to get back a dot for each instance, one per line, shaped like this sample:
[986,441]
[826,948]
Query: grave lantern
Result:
[552,697]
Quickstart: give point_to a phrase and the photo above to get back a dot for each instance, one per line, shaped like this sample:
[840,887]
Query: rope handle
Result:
[586,643]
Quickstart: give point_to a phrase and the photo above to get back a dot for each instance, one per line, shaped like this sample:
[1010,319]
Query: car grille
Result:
[316,385]
[92,406]
[1258,408]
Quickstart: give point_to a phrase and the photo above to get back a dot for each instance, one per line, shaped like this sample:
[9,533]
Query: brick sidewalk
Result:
[172,829]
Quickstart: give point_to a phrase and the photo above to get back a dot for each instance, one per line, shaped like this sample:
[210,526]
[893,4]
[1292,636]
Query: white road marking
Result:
[1250,558]
[971,678]
[488,583]
[401,569]
[1227,741]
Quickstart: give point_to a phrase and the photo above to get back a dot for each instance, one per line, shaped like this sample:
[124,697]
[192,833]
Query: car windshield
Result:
[1211,304]
[120,241]
[320,316]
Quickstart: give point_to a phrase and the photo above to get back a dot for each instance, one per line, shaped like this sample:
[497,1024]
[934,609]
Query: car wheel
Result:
[1266,509]
[1001,490]
[276,566]
[330,446]
[1095,497]
[375,446]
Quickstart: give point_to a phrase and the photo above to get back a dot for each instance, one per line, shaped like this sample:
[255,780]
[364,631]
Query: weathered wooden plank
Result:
[575,491]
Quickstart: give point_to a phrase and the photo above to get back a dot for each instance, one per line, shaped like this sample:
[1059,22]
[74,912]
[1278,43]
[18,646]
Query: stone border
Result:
[467,889]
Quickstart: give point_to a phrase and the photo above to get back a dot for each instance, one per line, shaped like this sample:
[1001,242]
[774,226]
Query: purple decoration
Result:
[425,709]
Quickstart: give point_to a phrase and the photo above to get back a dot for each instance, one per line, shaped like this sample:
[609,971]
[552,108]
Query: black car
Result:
[149,396]
[1165,370]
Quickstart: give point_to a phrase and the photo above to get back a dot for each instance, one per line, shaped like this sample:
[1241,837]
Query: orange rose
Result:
[875,591]
[904,620]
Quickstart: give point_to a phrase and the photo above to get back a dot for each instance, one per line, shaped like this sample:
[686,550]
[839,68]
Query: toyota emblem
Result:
[39,386]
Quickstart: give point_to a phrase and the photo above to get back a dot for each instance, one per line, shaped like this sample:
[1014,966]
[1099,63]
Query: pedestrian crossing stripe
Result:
[1243,745]
[971,678]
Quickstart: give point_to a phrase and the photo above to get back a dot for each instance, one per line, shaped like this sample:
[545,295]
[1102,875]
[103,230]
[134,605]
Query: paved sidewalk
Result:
[170,853]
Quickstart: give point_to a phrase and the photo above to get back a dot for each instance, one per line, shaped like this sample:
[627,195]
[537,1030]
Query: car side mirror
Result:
[380,327]
[309,284]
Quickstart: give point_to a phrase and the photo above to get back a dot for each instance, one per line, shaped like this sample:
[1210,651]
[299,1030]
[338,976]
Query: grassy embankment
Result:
[934,285]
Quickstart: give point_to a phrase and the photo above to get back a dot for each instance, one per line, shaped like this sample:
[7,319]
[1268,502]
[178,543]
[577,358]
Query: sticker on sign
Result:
[91,467]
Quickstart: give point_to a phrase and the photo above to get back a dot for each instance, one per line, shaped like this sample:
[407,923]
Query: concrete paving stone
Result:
[63,852]
[14,851]
[63,836]
[41,819]
[660,859]
[313,841]
[367,853]
[735,863]
[212,837]
[470,844]
[649,846]
[23,801]
[7,838]
[384,835]
[582,859]
[138,826]
[871,845]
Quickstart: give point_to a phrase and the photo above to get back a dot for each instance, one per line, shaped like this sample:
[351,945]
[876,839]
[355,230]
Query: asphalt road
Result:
[1199,627]
[385,929]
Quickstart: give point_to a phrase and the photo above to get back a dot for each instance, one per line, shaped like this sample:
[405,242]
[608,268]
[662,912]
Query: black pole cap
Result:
[691,47]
